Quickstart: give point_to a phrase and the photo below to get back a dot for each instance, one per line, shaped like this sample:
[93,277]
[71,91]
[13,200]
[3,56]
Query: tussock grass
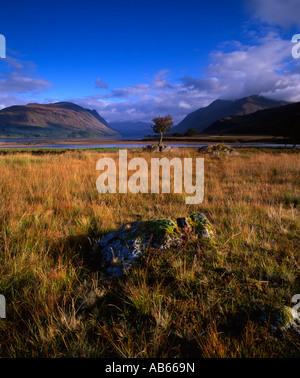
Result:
[198,300]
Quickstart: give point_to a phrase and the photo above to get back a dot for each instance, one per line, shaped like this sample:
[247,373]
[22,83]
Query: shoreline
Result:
[90,142]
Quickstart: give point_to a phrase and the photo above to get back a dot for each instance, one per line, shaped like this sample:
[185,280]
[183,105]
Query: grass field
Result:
[203,299]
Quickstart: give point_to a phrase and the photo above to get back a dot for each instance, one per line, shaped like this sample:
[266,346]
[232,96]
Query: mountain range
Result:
[279,121]
[61,119]
[202,118]
[253,115]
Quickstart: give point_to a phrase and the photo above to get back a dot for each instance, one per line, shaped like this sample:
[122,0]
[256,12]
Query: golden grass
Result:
[198,300]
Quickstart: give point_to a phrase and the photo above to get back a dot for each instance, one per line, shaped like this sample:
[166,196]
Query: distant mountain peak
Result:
[202,118]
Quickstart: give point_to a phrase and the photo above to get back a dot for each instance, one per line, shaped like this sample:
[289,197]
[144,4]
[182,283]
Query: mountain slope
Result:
[279,121]
[204,117]
[132,129]
[57,119]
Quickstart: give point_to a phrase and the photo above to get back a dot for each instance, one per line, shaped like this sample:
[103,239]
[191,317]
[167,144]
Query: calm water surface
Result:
[132,145]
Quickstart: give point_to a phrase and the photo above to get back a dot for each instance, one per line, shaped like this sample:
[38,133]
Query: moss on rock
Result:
[200,224]
[217,149]
[120,249]
[284,317]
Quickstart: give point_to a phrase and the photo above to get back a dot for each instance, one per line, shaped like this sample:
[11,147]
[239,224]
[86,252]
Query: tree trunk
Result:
[160,142]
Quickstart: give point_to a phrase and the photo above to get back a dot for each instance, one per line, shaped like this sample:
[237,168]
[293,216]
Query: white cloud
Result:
[285,13]
[266,68]
[184,105]
[160,82]
[19,77]
[10,100]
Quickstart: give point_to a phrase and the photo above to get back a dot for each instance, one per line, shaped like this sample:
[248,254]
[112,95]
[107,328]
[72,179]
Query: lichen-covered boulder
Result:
[218,149]
[150,148]
[284,318]
[120,249]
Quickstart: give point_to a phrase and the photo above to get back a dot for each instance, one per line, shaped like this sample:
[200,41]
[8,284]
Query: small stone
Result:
[201,225]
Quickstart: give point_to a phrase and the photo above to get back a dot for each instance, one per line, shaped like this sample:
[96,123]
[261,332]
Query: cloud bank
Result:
[266,68]
[19,81]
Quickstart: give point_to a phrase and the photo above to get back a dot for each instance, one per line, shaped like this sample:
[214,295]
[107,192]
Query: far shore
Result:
[205,139]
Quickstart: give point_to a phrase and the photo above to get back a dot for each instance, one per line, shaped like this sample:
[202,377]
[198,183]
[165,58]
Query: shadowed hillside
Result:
[204,117]
[279,121]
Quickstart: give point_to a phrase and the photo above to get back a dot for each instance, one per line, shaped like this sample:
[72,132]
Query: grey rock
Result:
[156,148]
[120,249]
[165,148]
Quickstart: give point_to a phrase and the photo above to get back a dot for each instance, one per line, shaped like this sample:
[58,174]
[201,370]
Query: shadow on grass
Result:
[80,250]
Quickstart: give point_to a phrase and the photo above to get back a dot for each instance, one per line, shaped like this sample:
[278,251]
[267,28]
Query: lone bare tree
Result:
[161,126]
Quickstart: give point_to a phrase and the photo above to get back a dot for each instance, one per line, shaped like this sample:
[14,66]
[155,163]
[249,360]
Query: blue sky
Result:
[136,59]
